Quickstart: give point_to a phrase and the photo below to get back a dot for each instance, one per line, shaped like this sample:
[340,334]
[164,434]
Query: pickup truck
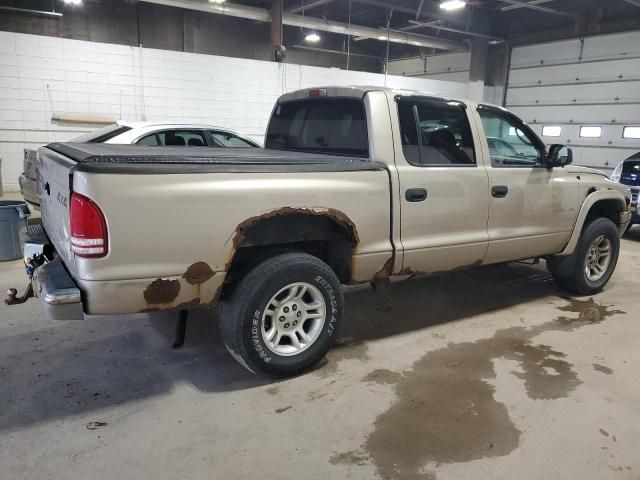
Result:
[355,185]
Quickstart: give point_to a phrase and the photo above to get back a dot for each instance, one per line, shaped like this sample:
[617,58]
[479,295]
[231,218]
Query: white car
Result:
[141,133]
[154,134]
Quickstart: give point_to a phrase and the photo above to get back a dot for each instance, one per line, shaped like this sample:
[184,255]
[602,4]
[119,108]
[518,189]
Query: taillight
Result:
[88,228]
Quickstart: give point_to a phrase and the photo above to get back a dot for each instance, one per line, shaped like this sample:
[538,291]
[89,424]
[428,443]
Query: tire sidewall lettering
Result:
[256,341]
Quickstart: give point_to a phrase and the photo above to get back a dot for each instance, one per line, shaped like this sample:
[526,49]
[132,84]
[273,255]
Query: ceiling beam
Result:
[538,8]
[425,11]
[314,23]
[308,6]
[532,2]
[438,26]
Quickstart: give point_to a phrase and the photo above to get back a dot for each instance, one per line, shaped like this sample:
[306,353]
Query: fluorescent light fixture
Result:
[631,132]
[217,1]
[590,132]
[382,37]
[449,5]
[72,2]
[551,130]
[312,37]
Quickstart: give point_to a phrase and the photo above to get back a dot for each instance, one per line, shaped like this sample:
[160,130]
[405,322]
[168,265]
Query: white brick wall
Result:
[42,76]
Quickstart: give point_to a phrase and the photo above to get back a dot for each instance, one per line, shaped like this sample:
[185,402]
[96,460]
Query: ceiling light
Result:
[382,37]
[73,2]
[312,37]
[217,1]
[452,4]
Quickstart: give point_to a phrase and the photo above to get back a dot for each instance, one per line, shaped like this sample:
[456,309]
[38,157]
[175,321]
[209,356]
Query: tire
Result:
[245,318]
[570,273]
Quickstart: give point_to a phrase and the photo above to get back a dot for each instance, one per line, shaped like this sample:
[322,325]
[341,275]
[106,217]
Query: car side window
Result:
[510,143]
[226,139]
[435,134]
[149,140]
[189,138]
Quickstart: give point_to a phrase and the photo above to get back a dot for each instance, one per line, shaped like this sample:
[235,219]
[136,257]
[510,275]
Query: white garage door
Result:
[584,92]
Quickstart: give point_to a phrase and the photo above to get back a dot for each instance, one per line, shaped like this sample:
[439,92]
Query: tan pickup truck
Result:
[355,185]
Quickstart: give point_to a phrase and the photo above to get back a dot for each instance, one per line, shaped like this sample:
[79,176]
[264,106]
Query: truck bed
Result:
[109,158]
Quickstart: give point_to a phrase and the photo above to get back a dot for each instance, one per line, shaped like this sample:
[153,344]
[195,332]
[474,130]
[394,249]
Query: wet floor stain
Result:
[349,458]
[345,349]
[602,369]
[445,410]
[272,390]
[284,409]
[383,377]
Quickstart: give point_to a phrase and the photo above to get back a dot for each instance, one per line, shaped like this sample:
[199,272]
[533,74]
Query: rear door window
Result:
[435,133]
[334,126]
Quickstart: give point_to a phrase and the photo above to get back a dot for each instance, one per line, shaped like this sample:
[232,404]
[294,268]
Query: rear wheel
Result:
[590,267]
[283,316]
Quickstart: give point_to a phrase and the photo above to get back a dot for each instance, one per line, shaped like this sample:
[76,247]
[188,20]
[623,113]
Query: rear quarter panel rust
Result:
[172,237]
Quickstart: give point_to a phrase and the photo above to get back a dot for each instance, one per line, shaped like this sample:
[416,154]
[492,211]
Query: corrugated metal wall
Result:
[453,67]
[590,82]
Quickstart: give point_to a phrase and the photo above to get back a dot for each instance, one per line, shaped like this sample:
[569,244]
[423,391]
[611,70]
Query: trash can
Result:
[13,218]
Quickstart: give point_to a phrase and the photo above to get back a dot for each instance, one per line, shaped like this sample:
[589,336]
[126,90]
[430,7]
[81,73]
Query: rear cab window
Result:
[333,126]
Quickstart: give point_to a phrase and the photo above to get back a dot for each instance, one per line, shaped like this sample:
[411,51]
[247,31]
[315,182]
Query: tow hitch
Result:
[31,264]
[36,250]
[13,299]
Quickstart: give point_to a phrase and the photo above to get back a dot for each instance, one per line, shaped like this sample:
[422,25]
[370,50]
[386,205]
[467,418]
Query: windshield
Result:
[335,126]
[101,135]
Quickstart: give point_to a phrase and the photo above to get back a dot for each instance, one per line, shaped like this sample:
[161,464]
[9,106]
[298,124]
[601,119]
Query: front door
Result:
[532,209]
[443,186]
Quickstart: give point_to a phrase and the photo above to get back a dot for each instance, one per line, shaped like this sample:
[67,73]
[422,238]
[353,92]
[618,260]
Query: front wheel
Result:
[284,316]
[590,267]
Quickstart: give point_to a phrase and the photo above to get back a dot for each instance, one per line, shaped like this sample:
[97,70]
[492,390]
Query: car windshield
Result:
[334,126]
[101,135]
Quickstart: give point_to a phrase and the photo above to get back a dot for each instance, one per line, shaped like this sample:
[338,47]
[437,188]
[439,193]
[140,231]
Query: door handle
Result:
[415,195]
[499,191]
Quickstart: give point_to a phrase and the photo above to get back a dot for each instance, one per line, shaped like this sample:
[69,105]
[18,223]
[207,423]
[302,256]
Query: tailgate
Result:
[54,191]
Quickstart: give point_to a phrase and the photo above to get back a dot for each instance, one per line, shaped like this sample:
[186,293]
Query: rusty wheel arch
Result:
[326,233]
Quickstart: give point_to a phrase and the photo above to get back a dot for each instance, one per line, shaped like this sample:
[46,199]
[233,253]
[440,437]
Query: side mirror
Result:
[558,156]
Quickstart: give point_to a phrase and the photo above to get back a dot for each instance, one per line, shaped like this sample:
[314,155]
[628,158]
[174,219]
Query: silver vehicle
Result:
[140,133]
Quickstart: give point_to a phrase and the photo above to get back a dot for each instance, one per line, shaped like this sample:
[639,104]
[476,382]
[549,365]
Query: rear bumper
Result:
[29,190]
[52,283]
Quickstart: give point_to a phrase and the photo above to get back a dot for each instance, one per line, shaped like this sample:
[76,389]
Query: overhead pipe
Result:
[27,11]
[311,23]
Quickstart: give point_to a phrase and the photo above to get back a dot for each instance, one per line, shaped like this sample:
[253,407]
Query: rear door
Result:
[443,186]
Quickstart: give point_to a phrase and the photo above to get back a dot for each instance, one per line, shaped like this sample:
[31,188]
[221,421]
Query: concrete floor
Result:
[488,373]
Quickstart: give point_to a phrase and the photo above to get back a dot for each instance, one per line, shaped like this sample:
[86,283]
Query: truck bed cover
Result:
[111,158]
